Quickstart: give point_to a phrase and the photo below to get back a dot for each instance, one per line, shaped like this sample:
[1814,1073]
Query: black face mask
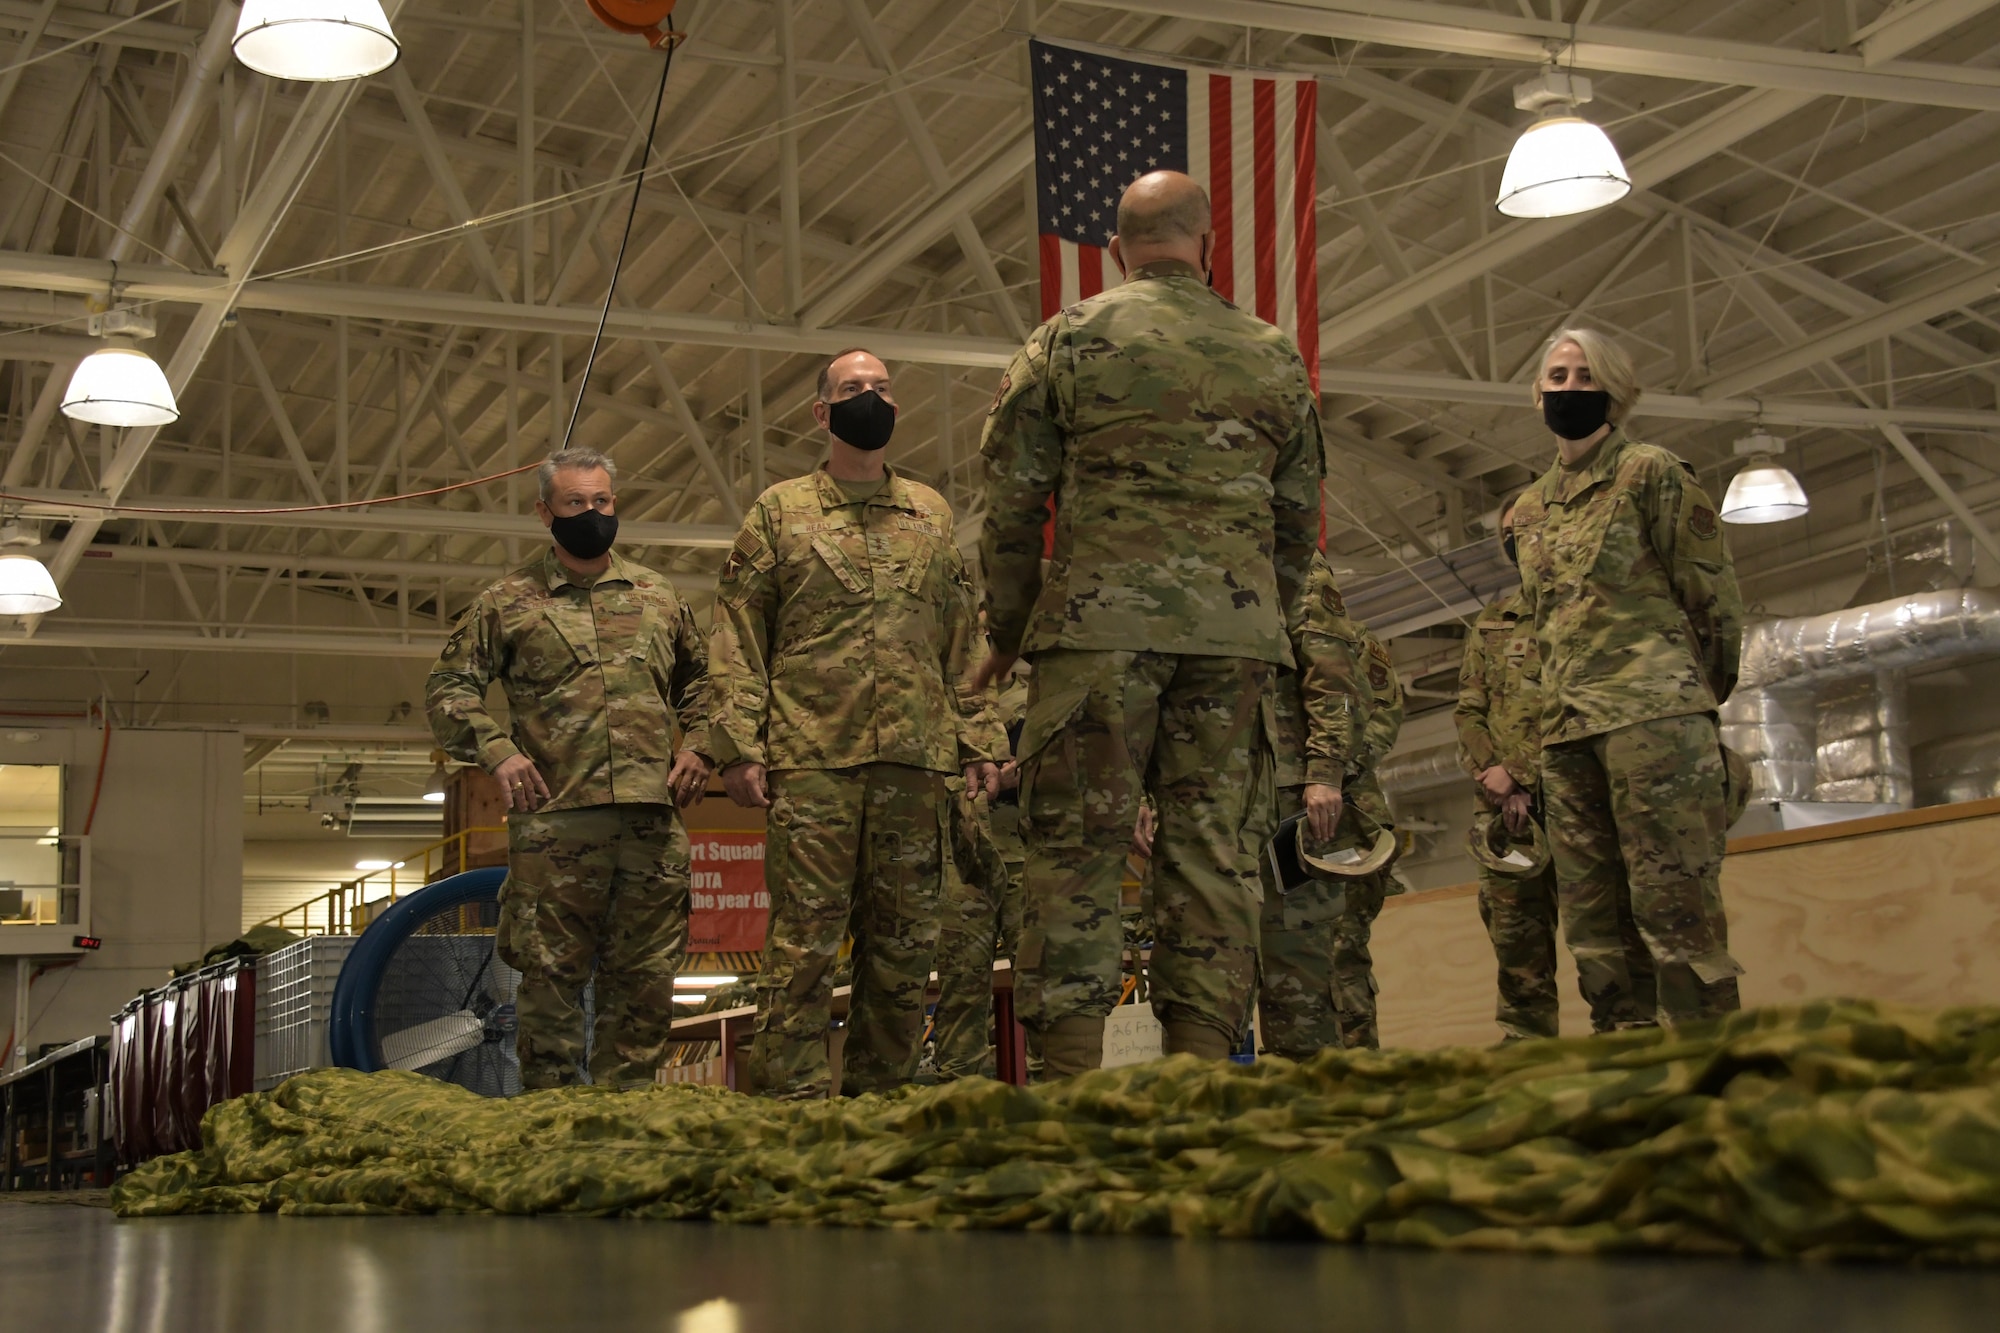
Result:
[1575,414]
[866,420]
[587,535]
[1507,549]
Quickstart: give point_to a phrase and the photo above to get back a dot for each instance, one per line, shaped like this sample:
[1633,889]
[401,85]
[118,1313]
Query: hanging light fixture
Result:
[119,385]
[320,41]
[26,588]
[434,789]
[1562,164]
[1766,491]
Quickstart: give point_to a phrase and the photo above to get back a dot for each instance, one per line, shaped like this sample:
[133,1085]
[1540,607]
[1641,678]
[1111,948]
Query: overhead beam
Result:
[937,218]
[918,131]
[1936,298]
[352,643]
[1462,30]
[237,256]
[1393,385]
[1942,489]
[319,563]
[59,273]
[421,520]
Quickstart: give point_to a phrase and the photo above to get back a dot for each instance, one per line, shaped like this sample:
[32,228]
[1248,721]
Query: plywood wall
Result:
[1894,910]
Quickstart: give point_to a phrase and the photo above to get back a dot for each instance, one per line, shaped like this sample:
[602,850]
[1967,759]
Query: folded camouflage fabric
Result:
[1839,1129]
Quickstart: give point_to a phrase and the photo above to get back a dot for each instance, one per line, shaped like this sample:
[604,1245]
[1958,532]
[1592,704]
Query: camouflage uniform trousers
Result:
[595,894]
[1354,985]
[981,922]
[1636,823]
[1298,1002]
[1103,729]
[857,851]
[1520,916]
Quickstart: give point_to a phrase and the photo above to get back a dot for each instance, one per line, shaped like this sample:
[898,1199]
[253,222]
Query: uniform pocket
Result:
[1048,719]
[838,563]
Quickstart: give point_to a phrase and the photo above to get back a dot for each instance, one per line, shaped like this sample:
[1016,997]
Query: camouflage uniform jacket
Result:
[844,630]
[598,676]
[1180,440]
[1340,711]
[1499,711]
[1634,598]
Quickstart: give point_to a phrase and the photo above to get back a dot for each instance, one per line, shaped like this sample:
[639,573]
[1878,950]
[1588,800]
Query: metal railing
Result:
[342,910]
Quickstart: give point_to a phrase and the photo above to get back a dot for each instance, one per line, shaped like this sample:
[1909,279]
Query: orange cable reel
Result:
[641,18]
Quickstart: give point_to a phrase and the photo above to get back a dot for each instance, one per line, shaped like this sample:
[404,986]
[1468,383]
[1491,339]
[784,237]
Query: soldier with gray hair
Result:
[604,670]
[1639,626]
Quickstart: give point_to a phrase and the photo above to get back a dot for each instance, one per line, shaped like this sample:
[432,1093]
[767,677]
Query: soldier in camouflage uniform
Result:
[1353,964]
[1500,743]
[1319,715]
[844,626]
[1639,623]
[601,664]
[1179,439]
[982,913]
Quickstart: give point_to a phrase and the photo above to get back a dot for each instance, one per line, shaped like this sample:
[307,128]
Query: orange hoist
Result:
[642,18]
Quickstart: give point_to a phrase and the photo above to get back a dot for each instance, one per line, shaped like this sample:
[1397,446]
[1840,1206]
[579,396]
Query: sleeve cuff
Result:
[1325,773]
[497,752]
[724,751]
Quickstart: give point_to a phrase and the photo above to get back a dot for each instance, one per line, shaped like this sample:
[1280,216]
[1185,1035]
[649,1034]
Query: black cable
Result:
[618,263]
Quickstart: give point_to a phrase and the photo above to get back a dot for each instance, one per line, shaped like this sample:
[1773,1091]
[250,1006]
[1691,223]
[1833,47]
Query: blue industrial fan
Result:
[424,990]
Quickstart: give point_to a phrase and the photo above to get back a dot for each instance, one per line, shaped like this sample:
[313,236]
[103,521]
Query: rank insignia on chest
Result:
[1701,522]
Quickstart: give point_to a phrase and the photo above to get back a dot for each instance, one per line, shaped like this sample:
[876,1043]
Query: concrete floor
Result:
[69,1267]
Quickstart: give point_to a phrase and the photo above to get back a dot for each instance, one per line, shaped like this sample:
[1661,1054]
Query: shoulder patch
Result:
[1701,521]
[454,643]
[1006,383]
[1380,667]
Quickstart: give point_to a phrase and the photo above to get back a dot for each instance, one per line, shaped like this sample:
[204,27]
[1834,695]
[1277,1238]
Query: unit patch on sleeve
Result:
[1701,521]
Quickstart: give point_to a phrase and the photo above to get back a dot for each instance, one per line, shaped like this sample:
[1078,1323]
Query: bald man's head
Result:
[1162,208]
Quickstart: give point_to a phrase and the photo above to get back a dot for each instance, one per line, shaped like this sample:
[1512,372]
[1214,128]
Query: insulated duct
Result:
[1862,742]
[1422,770]
[1821,709]
[1773,730]
[1928,627]
[1963,768]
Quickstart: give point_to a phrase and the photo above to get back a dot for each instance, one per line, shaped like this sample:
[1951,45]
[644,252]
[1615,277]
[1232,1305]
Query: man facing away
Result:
[1179,440]
[601,664]
[844,631]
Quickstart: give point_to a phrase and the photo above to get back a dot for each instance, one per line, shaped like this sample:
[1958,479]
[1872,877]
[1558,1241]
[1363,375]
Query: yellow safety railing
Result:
[336,907]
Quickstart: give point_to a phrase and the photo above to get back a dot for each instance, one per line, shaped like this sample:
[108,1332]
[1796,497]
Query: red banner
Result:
[730,908]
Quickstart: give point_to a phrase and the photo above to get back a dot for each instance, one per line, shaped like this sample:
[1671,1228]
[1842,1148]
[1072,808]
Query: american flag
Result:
[1101,121]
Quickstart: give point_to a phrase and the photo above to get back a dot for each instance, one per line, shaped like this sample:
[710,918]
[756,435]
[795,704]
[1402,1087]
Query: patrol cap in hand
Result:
[1519,855]
[1359,846]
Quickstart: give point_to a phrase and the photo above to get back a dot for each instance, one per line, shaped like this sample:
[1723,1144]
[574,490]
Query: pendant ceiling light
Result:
[26,588]
[319,41]
[1766,491]
[434,790]
[119,385]
[1562,164]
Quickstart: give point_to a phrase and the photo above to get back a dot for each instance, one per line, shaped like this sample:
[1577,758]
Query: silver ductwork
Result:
[1422,770]
[1773,729]
[1964,768]
[1883,636]
[1821,709]
[1861,747]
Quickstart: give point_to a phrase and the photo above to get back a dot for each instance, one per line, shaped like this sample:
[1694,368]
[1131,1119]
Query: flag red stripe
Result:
[1089,271]
[1051,275]
[1264,194]
[1305,227]
[1221,182]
